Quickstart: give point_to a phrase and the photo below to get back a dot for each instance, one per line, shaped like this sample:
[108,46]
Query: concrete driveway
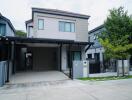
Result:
[37,76]
[69,90]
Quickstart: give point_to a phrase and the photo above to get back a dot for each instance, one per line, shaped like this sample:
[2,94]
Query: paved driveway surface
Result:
[37,76]
[69,90]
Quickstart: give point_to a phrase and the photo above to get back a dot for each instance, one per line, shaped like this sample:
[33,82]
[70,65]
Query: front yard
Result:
[106,78]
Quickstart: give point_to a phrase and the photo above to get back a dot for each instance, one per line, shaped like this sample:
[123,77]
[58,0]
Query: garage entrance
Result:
[31,58]
[27,55]
[45,58]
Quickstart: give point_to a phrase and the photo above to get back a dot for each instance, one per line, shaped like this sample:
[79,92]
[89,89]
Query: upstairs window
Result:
[89,56]
[40,24]
[66,26]
[2,29]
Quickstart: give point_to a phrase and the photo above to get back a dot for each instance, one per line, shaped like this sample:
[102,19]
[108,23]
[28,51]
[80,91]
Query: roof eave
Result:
[42,40]
[59,12]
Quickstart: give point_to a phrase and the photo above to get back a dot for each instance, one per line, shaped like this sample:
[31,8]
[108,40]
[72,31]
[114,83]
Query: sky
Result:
[18,11]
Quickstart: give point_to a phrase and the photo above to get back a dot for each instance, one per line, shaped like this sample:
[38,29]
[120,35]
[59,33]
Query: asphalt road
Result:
[69,90]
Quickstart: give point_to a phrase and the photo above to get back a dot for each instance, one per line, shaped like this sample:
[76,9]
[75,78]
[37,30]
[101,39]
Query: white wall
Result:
[64,58]
[51,27]
[31,31]
[97,50]
[51,30]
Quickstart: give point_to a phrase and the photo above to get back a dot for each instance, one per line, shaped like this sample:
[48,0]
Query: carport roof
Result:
[42,40]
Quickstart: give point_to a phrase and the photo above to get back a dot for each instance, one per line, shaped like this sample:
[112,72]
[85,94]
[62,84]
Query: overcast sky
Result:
[18,11]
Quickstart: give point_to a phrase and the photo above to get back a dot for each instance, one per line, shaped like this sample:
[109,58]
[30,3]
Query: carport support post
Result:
[13,56]
[8,62]
[60,57]
[70,63]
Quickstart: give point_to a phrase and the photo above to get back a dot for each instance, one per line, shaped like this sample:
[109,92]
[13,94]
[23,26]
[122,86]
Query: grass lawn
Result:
[106,78]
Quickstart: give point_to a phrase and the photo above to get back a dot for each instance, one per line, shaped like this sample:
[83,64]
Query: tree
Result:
[20,33]
[116,39]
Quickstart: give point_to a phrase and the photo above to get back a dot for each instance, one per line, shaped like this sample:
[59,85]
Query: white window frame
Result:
[65,26]
[38,24]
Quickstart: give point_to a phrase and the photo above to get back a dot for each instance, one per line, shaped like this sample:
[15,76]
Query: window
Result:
[2,29]
[61,26]
[97,56]
[89,56]
[40,24]
[66,26]
[72,27]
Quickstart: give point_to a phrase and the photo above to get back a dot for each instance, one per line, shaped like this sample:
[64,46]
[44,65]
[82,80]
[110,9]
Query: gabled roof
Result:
[95,29]
[60,12]
[8,21]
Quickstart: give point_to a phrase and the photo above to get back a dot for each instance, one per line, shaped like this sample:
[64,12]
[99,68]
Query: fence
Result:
[3,72]
[101,67]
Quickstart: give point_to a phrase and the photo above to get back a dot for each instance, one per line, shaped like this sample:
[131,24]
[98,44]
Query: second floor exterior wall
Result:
[93,36]
[51,27]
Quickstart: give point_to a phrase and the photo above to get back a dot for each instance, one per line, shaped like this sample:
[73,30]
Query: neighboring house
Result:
[96,52]
[6,29]
[54,40]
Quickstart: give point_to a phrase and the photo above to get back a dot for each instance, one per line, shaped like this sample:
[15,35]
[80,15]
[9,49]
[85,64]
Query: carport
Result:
[39,57]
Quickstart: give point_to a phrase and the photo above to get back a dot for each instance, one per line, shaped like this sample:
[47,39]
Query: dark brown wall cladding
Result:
[44,58]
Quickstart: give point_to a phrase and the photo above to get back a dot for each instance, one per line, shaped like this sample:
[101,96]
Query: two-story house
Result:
[57,25]
[55,39]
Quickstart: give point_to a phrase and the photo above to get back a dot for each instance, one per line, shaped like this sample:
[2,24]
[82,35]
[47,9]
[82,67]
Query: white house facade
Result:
[59,25]
[55,39]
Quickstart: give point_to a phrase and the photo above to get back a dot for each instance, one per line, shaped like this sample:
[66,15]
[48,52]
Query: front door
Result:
[73,55]
[76,55]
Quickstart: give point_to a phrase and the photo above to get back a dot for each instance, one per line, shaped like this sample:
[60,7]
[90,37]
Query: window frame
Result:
[65,26]
[89,56]
[43,24]
[4,29]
